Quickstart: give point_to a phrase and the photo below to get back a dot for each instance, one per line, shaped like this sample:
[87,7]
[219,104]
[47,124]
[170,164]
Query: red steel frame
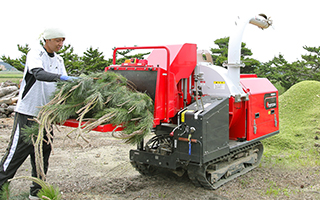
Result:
[181,61]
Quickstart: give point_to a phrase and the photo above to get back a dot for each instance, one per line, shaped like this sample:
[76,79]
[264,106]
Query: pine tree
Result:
[93,61]
[18,63]
[220,55]
[71,60]
[312,62]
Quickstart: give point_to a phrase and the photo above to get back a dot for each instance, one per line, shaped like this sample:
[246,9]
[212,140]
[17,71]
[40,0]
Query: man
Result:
[43,68]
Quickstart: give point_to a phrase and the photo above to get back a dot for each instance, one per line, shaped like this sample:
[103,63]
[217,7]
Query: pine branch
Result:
[99,99]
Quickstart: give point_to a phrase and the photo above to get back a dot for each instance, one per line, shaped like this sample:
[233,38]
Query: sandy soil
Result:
[101,170]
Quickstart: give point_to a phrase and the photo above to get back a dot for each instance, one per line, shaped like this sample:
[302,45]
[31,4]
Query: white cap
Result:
[51,33]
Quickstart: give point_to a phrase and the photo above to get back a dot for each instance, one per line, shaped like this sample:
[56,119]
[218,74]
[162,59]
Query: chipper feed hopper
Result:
[208,120]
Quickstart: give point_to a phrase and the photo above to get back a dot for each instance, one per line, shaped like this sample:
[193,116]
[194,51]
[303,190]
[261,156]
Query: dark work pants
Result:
[18,151]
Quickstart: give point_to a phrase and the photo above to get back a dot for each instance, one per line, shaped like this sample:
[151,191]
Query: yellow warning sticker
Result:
[219,82]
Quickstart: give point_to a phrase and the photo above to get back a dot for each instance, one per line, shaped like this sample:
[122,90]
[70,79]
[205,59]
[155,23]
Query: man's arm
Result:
[42,75]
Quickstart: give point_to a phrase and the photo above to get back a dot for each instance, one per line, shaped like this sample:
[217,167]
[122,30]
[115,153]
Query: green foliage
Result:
[125,54]
[312,62]
[290,74]
[278,70]
[102,98]
[13,62]
[220,55]
[5,192]
[280,89]
[71,60]
[24,50]
[47,190]
[93,61]
[250,65]
[18,63]
[50,192]
[275,70]
[299,123]
[30,133]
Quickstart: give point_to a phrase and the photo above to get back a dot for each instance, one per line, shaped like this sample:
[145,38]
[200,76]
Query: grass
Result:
[299,112]
[11,76]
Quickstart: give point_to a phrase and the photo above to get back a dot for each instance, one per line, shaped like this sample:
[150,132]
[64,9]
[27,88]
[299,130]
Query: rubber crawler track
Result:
[198,175]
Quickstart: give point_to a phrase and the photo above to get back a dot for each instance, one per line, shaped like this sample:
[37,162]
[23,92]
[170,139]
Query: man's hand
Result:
[68,78]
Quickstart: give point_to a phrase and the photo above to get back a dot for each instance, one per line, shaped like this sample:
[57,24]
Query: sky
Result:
[105,24]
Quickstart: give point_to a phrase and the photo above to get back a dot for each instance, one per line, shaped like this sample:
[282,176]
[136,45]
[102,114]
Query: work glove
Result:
[68,78]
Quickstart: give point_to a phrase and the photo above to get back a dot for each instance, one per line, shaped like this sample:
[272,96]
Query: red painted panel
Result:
[263,108]
[237,119]
[102,128]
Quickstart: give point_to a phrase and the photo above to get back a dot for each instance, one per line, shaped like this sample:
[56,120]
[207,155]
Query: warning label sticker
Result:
[220,85]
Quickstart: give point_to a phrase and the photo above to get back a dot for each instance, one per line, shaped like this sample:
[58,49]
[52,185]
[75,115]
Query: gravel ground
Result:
[101,170]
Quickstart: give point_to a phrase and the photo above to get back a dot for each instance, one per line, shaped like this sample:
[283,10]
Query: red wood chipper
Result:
[208,120]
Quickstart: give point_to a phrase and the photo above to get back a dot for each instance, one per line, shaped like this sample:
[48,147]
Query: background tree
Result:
[71,60]
[292,73]
[93,61]
[220,55]
[271,69]
[18,63]
[279,70]
[126,54]
[312,62]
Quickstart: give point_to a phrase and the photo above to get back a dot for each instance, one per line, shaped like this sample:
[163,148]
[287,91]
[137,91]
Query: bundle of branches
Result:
[96,99]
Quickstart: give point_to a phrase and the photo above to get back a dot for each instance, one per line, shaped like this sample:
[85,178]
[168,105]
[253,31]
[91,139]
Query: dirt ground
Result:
[101,170]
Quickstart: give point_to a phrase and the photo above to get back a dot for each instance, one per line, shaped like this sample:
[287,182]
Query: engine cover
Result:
[204,132]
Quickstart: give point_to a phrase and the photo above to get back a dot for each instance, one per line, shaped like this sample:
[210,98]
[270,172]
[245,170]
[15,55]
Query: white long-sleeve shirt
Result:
[34,93]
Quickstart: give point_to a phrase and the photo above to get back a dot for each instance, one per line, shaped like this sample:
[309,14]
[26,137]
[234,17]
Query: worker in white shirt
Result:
[44,67]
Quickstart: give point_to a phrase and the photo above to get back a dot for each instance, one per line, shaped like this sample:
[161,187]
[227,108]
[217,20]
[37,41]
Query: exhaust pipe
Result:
[234,51]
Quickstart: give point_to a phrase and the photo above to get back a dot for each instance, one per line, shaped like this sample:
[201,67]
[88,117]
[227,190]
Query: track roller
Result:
[213,174]
[144,169]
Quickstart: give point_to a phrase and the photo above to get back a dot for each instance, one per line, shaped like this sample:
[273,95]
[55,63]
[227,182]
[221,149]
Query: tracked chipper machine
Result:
[208,120]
